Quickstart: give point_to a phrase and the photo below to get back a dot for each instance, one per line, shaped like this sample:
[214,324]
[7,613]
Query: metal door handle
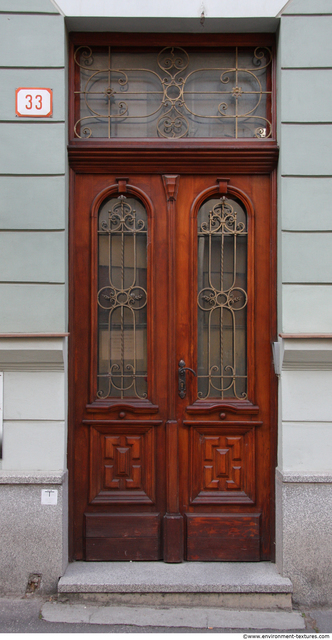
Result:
[182,378]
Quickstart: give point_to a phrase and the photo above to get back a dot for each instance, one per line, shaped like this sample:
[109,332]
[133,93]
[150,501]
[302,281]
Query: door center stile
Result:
[173,520]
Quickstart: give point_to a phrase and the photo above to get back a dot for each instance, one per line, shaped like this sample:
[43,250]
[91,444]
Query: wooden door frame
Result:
[220,157]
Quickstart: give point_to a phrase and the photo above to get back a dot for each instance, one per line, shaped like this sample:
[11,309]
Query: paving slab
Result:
[191,577]
[199,618]
[22,615]
[321,620]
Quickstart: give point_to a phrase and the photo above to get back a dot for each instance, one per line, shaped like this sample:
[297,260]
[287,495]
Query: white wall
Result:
[172,8]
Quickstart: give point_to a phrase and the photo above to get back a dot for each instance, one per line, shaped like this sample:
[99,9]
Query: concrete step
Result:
[175,617]
[228,585]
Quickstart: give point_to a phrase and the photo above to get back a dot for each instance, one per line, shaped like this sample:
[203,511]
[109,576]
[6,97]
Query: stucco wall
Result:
[32,168]
[33,266]
[304,477]
[33,243]
[305,241]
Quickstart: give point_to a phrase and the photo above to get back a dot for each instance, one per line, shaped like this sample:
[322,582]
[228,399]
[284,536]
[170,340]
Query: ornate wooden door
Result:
[173,390]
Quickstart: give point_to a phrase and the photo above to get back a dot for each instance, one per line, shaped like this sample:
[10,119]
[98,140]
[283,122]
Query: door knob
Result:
[182,378]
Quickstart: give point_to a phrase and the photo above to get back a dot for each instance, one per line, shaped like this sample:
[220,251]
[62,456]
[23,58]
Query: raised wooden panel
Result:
[126,525]
[122,464]
[125,454]
[222,464]
[228,537]
[112,549]
[122,536]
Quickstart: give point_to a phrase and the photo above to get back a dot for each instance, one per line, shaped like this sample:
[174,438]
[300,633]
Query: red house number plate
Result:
[34,102]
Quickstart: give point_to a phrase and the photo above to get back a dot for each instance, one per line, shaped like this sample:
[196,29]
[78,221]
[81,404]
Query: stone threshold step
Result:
[203,618]
[225,584]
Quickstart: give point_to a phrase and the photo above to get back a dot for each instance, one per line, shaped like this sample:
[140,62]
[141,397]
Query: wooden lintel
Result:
[156,158]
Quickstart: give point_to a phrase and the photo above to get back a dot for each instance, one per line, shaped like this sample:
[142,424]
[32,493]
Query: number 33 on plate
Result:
[34,102]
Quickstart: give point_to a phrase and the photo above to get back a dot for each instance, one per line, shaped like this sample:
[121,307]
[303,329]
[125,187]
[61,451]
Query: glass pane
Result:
[122,299]
[174,93]
[222,299]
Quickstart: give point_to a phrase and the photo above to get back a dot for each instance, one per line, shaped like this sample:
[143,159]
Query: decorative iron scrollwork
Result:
[185,95]
[219,232]
[123,300]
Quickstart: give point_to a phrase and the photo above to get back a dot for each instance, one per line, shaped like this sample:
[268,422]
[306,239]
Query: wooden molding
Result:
[224,423]
[223,185]
[171,186]
[190,156]
[162,39]
[122,184]
[121,422]
[122,406]
[231,406]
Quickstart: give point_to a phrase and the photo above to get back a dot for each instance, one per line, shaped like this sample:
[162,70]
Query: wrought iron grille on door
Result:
[122,298]
[222,299]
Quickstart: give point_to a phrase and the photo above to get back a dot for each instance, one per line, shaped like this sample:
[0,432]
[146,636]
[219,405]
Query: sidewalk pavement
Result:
[37,614]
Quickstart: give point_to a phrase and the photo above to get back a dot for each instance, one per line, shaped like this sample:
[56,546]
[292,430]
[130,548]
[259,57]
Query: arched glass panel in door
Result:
[222,299]
[122,298]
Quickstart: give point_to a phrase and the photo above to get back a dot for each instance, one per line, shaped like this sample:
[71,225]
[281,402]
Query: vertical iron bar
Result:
[122,287]
[236,96]
[109,97]
[222,247]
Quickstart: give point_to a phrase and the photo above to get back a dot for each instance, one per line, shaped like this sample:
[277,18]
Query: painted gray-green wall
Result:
[33,296]
[32,171]
[33,238]
[304,475]
[305,227]
[305,184]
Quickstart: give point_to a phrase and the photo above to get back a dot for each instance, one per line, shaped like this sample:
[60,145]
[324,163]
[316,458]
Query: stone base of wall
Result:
[304,535]
[34,536]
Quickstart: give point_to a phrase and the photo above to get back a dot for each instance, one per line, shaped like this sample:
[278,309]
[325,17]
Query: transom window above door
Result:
[173,92]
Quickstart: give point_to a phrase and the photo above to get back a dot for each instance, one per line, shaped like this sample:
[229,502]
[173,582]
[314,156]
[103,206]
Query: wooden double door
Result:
[172,383]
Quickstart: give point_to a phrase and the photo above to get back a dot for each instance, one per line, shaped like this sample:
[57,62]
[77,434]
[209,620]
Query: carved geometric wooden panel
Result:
[223,465]
[125,455]
[122,464]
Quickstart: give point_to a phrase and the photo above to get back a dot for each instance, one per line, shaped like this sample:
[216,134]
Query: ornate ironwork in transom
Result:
[173,93]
